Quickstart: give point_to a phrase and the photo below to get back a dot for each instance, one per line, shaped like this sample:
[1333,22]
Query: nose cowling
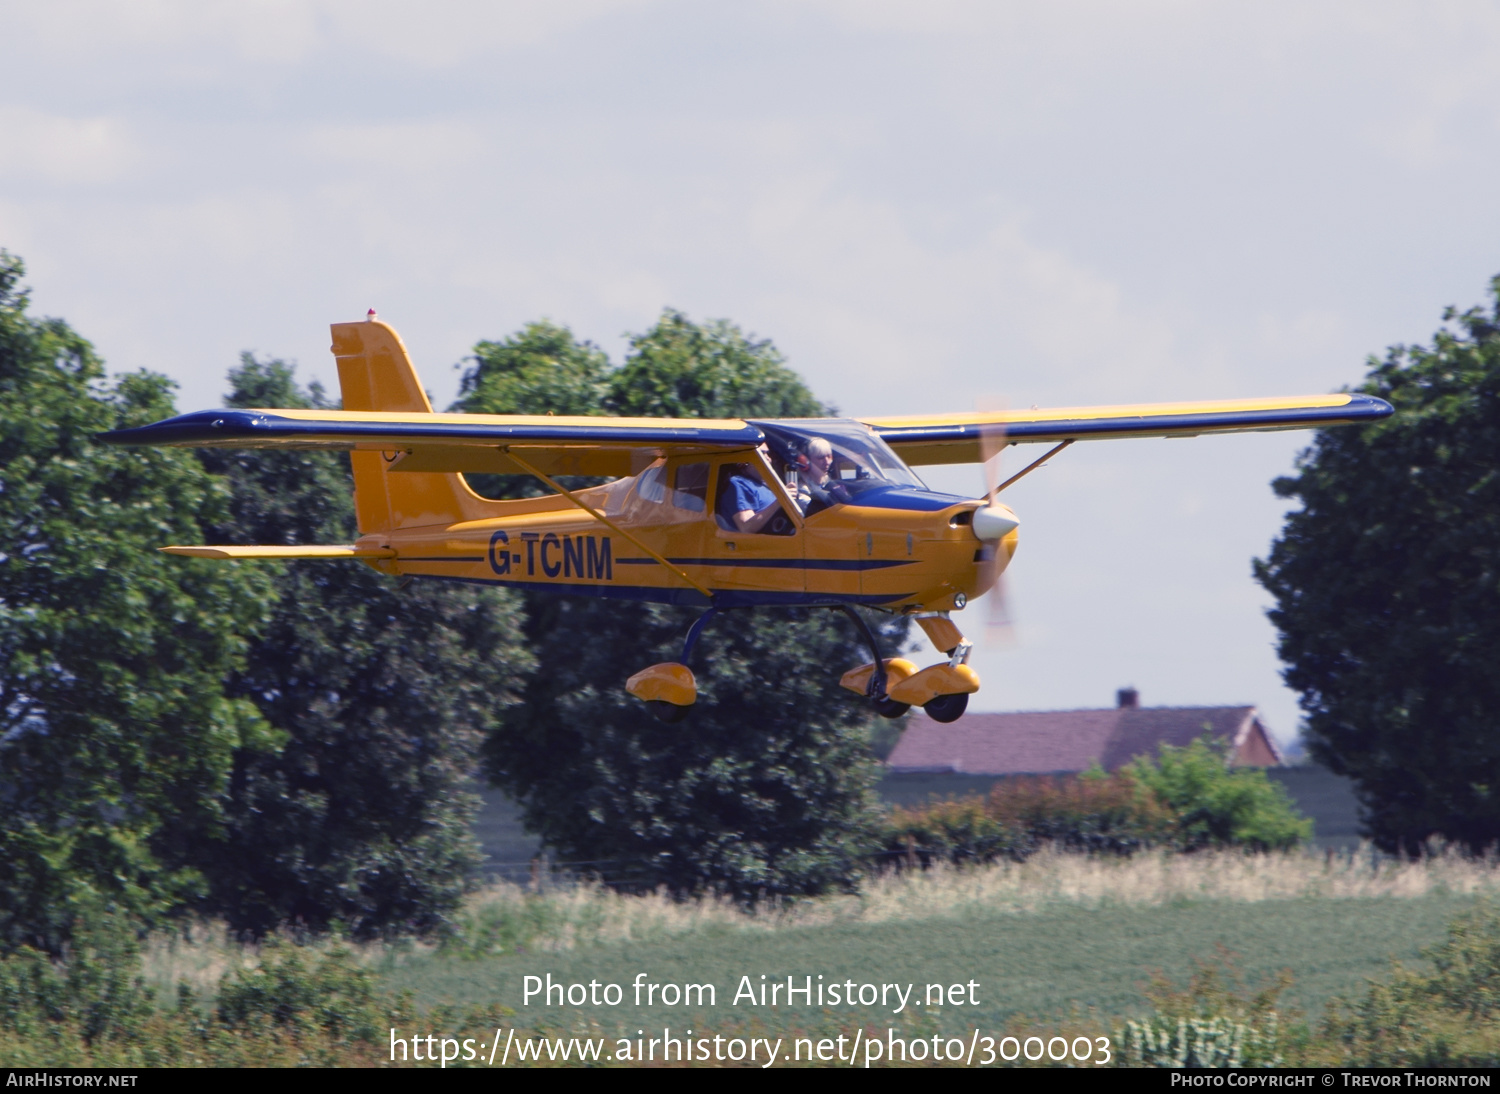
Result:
[994,522]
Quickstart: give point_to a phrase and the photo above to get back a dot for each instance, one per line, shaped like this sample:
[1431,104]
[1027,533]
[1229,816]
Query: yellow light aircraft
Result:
[717,513]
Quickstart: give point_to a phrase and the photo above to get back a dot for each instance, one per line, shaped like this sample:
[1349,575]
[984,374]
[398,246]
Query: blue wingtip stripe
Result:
[242,427]
[230,427]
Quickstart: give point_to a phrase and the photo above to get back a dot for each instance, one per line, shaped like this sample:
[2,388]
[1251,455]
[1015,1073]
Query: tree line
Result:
[296,743]
[1387,591]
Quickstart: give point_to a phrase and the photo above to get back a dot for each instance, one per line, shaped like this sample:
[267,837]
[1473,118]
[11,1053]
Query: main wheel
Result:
[667,712]
[889,708]
[947,708]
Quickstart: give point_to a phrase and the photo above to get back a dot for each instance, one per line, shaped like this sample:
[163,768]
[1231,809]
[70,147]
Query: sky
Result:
[926,206]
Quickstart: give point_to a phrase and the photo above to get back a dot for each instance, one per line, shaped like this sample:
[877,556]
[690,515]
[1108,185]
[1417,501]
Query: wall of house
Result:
[1256,751]
[1325,797]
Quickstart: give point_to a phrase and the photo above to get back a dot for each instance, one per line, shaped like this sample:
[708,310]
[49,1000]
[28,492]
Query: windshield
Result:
[860,460]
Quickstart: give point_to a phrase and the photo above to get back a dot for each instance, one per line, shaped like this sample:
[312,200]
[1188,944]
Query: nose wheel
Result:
[947,708]
[895,686]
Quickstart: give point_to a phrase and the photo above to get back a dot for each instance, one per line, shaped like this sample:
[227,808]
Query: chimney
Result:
[1127,699]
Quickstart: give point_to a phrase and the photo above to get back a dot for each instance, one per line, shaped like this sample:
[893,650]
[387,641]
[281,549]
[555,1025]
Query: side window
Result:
[691,485]
[651,485]
[655,496]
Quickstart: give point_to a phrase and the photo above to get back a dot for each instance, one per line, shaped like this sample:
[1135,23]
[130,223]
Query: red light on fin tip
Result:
[370,316]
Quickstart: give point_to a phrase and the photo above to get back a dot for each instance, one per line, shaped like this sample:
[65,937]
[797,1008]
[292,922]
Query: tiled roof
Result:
[1140,731]
[1046,742]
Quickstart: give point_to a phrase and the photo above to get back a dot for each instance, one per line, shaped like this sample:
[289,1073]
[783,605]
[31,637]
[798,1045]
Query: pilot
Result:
[817,488]
[751,505]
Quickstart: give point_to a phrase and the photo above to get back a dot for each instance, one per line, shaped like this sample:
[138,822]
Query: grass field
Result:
[1041,964]
[1058,937]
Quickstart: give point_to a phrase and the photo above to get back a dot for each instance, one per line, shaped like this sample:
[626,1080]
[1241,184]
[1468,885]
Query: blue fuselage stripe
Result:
[776,563]
[724,598]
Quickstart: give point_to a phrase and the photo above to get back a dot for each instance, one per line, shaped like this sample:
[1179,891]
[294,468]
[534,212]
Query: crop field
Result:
[1056,937]
[1042,964]
[1060,937]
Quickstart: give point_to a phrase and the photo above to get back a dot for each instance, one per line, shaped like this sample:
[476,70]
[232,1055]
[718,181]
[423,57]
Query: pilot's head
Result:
[819,458]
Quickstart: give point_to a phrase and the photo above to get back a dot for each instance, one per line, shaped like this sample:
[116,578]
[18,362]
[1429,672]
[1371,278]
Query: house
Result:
[1056,742]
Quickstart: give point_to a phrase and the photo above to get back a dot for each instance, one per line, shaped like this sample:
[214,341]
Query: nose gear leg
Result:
[941,690]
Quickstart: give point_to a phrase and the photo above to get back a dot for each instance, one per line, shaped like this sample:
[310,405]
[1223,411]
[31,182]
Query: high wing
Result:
[416,441]
[389,413]
[954,438]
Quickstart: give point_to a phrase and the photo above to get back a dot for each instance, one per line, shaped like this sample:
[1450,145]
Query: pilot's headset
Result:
[804,457]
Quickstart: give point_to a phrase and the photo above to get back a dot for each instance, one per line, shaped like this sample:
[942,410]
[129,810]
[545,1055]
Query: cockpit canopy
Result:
[861,460]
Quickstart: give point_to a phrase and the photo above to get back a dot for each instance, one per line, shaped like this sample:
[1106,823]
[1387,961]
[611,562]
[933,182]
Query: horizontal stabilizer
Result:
[310,551]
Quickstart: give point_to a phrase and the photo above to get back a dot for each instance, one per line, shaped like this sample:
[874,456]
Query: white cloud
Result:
[38,145]
[993,306]
[424,147]
[284,32]
[448,32]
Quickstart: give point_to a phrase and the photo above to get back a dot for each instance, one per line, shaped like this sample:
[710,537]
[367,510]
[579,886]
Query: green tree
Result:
[765,789]
[380,694]
[541,370]
[1387,588]
[116,735]
[1215,805]
[680,369]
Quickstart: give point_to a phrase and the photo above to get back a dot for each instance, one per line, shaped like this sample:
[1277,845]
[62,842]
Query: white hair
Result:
[819,447]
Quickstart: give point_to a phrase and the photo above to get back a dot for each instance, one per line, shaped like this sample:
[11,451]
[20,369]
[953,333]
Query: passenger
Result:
[751,505]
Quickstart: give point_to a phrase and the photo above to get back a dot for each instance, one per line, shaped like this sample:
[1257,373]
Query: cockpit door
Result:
[766,566]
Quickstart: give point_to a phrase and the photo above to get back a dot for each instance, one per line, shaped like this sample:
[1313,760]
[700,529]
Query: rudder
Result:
[376,373]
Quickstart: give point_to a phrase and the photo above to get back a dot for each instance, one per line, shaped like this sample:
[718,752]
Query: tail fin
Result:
[375,373]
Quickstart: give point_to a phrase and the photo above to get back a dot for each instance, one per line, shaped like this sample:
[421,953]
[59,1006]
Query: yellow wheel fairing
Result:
[668,682]
[944,679]
[857,680]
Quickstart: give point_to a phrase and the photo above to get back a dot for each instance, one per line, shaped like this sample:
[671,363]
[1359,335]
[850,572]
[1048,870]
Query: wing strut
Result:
[591,511]
[1033,465]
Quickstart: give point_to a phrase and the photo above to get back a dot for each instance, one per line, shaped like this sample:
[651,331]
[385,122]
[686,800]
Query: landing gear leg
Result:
[885,706]
[941,690]
[669,690]
[695,632]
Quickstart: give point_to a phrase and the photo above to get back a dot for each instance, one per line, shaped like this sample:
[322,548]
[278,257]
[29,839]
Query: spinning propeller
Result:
[992,523]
